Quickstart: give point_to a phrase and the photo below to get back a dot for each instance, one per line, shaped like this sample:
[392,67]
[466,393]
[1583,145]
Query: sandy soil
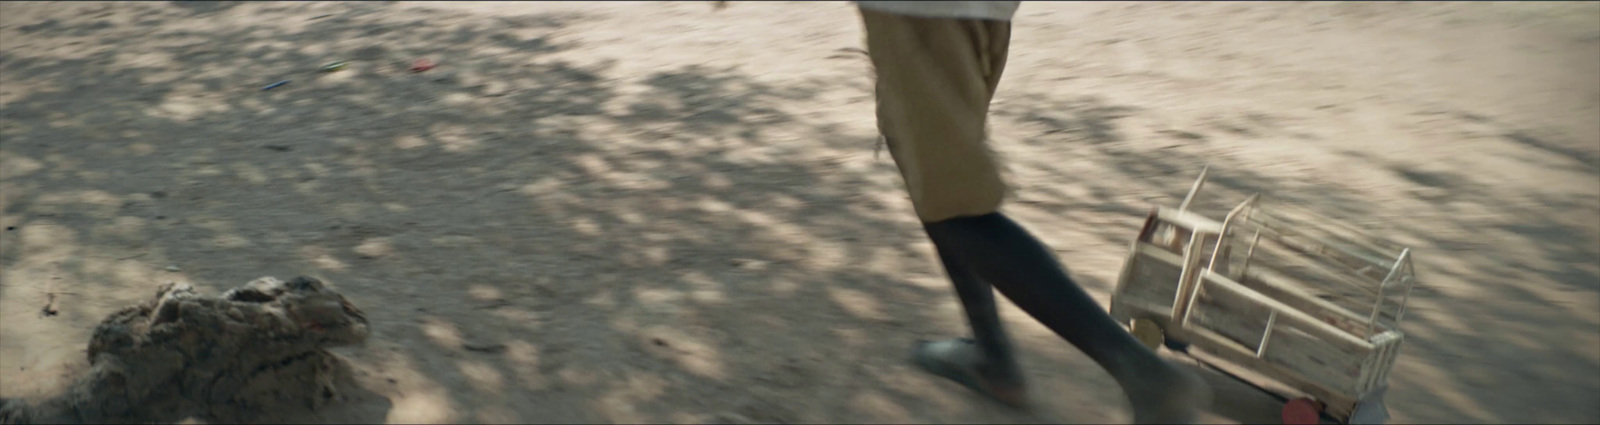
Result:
[650,212]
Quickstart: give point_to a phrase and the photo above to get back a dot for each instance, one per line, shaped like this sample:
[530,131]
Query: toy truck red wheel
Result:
[1302,411]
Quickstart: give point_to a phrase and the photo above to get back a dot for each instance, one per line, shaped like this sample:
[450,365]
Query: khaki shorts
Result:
[935,79]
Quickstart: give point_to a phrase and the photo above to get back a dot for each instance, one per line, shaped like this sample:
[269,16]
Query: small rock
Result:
[374,248]
[174,269]
[484,347]
[494,304]
[1430,193]
[749,264]
[495,89]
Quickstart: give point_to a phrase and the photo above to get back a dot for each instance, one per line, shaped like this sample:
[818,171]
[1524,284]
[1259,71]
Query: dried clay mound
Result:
[257,349]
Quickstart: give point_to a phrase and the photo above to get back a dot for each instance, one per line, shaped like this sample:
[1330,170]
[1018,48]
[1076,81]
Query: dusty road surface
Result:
[650,212]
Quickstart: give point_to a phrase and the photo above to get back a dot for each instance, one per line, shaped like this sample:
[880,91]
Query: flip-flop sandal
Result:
[953,359]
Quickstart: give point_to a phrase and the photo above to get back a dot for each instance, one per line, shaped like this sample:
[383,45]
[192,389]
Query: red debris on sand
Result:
[422,65]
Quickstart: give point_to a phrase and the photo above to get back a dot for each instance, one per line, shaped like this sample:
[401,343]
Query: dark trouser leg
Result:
[983,315]
[999,251]
[1002,253]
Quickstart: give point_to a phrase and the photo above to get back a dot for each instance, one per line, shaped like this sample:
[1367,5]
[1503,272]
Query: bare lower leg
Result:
[1000,252]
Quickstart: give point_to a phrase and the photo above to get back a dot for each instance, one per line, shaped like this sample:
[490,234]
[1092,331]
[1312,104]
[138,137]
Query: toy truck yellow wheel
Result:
[1148,333]
[1152,335]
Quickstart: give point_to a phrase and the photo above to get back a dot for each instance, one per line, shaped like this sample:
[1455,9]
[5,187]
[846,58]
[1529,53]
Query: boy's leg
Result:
[935,80]
[933,118]
[1000,252]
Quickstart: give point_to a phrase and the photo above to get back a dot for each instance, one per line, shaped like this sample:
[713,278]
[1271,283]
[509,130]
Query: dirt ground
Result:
[650,212]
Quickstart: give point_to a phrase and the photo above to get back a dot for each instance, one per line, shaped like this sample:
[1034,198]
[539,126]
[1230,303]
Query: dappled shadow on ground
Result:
[534,240]
[541,240]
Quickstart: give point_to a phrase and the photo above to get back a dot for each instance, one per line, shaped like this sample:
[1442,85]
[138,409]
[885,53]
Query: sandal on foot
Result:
[957,360]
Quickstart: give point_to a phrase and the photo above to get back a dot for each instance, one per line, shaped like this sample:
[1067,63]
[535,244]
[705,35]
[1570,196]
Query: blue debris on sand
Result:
[275,85]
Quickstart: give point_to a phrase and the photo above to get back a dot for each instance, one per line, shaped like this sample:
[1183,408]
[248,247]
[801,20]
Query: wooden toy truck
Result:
[1294,299]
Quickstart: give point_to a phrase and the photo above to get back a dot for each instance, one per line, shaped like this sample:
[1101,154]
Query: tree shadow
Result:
[531,243]
[204,7]
[539,239]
